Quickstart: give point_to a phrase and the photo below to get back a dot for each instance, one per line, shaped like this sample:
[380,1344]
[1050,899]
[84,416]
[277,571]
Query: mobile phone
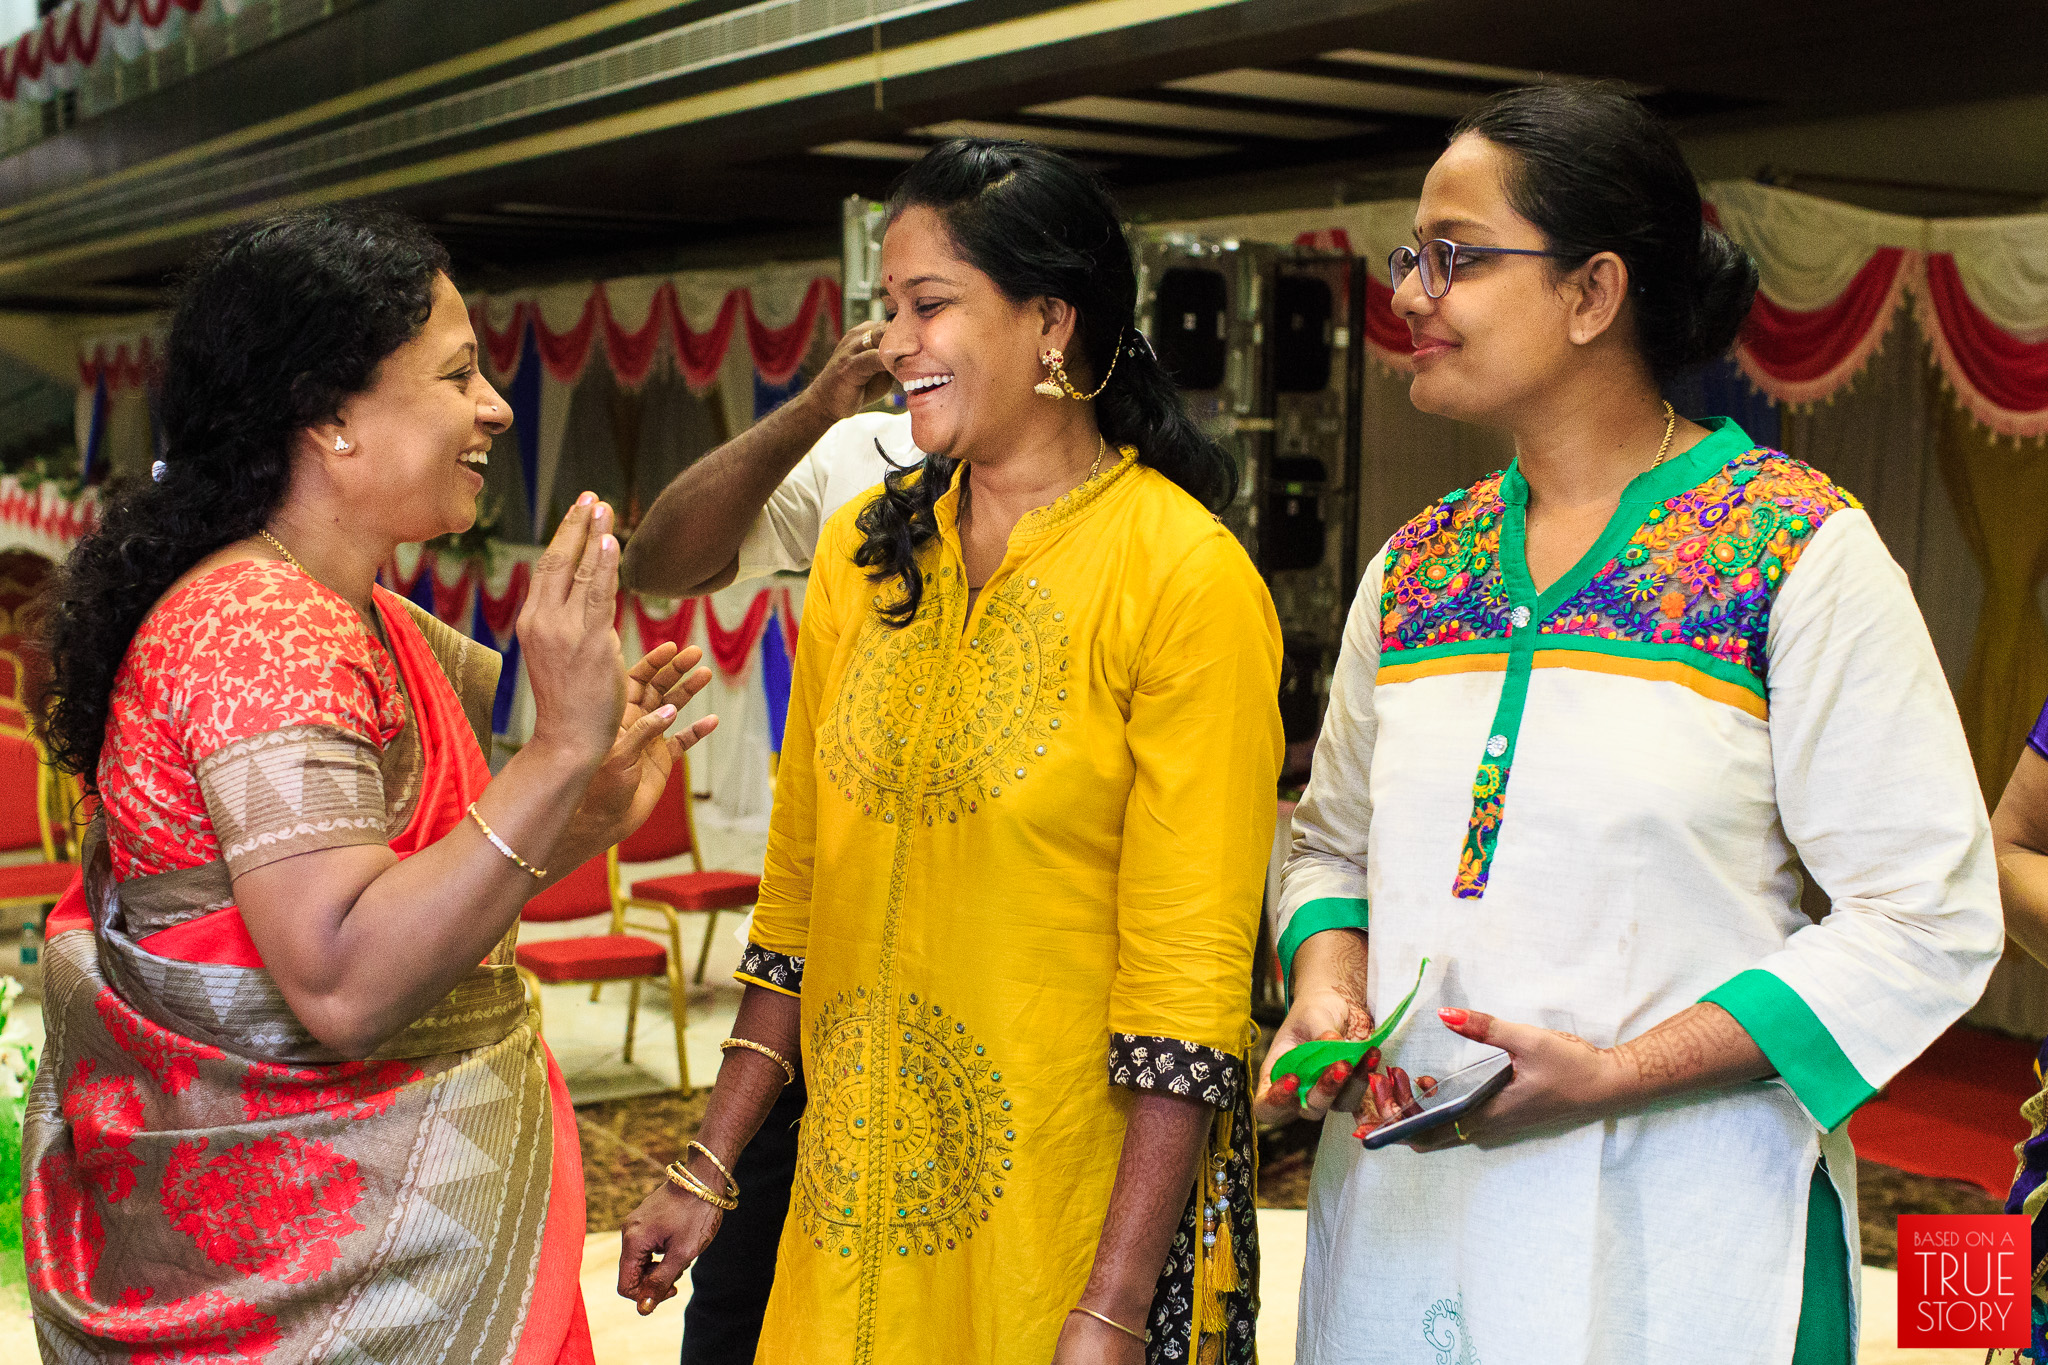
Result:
[1455,1096]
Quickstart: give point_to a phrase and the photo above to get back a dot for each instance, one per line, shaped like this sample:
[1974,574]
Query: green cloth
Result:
[1824,1306]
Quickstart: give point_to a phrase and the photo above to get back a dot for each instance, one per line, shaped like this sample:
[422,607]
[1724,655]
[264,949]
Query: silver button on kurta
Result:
[1519,617]
[1497,746]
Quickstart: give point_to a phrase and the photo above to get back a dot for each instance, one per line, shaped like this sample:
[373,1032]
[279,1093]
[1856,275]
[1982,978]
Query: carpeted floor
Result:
[626,1143]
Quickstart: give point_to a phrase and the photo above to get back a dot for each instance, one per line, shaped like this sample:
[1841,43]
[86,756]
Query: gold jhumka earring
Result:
[1057,385]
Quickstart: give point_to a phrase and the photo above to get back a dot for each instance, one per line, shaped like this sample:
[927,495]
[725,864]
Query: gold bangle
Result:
[540,874]
[680,1174]
[732,1187]
[770,1053]
[1145,1337]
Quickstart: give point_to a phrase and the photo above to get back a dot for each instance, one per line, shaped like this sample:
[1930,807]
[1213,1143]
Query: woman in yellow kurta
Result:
[1021,824]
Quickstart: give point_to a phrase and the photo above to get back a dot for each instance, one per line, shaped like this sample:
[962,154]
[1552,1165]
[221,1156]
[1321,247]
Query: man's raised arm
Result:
[689,541]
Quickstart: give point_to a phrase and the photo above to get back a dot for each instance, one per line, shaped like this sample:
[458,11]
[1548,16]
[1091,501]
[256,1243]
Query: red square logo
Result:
[1964,1279]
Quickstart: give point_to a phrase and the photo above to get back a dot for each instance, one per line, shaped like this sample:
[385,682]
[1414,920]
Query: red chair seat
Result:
[602,957]
[37,880]
[701,890]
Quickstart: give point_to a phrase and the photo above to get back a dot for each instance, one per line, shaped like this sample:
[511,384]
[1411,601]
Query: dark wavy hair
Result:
[1040,226]
[277,323]
[1596,171]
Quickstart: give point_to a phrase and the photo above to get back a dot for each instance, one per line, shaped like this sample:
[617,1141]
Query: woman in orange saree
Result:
[292,1105]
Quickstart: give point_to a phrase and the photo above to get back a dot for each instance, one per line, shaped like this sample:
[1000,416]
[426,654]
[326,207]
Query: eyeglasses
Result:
[1439,261]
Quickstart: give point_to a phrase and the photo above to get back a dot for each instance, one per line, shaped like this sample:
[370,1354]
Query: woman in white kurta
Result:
[1590,717]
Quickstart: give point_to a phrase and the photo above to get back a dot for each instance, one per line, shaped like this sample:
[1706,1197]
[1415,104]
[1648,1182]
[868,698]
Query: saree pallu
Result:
[206,1181]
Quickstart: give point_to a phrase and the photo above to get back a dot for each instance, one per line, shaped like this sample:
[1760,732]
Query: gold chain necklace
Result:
[1670,427]
[1101,449]
[278,546]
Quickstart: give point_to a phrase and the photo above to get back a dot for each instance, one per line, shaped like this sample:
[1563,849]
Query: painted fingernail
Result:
[586,500]
[1340,1072]
[1455,1018]
[646,1307]
[1290,1084]
[1372,1060]
[1361,1130]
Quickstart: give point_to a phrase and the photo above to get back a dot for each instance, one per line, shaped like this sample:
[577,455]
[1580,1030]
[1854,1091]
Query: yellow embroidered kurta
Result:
[1000,840]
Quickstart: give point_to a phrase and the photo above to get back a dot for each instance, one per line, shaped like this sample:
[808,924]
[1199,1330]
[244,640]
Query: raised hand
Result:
[853,376]
[629,782]
[565,633]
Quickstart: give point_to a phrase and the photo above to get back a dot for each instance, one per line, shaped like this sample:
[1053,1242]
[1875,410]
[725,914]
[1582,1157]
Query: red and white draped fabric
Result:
[112,414]
[40,519]
[50,58]
[482,598]
[690,320]
[1833,277]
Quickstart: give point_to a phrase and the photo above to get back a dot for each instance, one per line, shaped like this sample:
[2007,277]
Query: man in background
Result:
[750,508]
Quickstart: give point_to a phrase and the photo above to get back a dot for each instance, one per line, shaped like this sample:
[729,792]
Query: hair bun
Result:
[1723,288]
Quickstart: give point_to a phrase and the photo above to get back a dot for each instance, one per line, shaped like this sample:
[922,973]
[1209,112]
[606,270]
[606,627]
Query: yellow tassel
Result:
[1218,1278]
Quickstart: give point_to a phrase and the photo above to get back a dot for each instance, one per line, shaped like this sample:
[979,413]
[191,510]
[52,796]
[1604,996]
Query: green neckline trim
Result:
[1329,912]
[1725,440]
[1424,653]
[1792,1036]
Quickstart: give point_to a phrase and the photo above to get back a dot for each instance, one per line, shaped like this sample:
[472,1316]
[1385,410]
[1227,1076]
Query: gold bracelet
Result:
[1145,1337]
[770,1053]
[680,1175]
[732,1187]
[540,874]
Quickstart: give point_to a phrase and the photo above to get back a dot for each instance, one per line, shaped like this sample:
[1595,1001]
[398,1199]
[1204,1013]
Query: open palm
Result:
[629,782]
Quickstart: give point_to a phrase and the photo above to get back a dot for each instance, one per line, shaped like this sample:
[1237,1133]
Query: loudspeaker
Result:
[1190,326]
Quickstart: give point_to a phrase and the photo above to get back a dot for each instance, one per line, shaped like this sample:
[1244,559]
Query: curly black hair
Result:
[1040,226]
[278,321]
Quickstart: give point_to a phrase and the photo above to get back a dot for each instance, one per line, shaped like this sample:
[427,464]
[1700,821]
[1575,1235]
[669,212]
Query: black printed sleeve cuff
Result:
[777,971]
[1174,1067]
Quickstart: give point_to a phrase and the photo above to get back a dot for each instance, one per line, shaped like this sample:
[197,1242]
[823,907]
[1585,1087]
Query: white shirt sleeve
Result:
[1323,886]
[848,459]
[1877,793]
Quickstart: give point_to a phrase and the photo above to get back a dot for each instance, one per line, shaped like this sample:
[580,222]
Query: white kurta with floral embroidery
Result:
[1587,806]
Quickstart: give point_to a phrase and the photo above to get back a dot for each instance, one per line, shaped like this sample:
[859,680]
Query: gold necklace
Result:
[278,546]
[1101,449]
[1670,427]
